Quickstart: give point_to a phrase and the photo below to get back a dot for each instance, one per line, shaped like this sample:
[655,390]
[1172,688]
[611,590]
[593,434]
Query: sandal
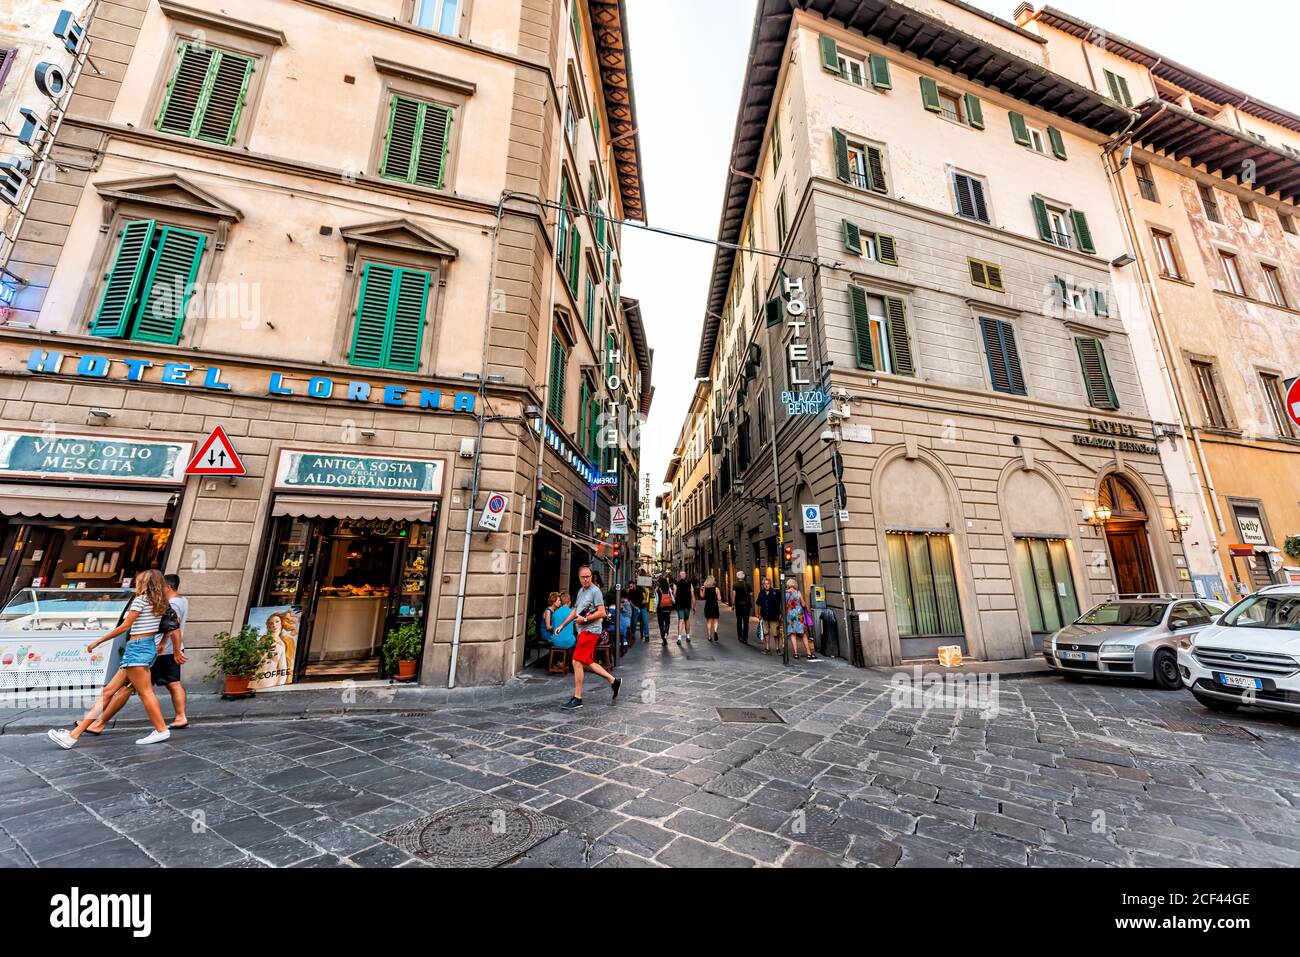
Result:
[93,733]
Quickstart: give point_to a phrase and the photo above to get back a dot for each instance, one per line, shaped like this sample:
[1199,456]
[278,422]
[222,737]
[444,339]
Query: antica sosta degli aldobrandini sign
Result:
[276,384]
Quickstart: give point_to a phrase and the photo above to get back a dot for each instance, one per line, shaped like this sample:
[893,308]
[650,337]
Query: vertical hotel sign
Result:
[798,401]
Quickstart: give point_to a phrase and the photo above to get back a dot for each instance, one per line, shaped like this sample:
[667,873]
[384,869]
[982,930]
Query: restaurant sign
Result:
[321,471]
[549,500]
[102,458]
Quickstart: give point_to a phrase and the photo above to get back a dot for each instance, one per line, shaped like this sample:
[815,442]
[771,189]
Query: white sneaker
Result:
[62,738]
[153,737]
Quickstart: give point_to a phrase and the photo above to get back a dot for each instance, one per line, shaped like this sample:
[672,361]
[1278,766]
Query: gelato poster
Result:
[281,623]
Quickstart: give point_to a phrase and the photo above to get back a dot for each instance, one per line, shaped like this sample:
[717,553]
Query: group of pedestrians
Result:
[154,623]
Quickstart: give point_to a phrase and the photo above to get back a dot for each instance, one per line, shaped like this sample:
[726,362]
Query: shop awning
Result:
[322,506]
[110,505]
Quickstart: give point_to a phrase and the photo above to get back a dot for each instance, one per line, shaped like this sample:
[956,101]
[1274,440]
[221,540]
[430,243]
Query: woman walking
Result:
[664,607]
[743,605]
[711,610]
[144,622]
[683,599]
[796,620]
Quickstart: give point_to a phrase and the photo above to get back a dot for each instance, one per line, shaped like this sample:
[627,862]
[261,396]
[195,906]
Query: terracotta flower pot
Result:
[237,686]
[405,669]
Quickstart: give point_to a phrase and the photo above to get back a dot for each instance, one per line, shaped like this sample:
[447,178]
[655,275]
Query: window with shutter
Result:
[971,203]
[206,93]
[880,332]
[986,275]
[1082,234]
[562,228]
[1100,306]
[879,67]
[900,345]
[1004,358]
[1096,376]
[150,284]
[390,318]
[830,54]
[876,170]
[559,360]
[852,238]
[886,250]
[974,111]
[1118,88]
[417,142]
[590,311]
[863,332]
[1057,141]
[1019,129]
[843,171]
[1043,221]
[930,95]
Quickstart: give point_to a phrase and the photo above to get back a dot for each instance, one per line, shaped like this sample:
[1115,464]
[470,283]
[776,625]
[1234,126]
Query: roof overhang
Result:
[1185,77]
[1180,134]
[910,32]
[614,56]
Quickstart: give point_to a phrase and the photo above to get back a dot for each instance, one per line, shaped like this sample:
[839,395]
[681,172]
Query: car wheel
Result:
[1214,704]
[1165,667]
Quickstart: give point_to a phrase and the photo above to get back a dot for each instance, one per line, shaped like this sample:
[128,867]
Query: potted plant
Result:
[239,656]
[1292,546]
[402,647]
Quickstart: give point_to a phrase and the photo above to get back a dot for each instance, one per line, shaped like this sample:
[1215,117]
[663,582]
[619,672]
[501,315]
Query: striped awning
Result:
[109,505]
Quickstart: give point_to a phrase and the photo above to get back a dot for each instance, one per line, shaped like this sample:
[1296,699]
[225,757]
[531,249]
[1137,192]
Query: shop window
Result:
[924,585]
[48,553]
[150,282]
[389,326]
[206,93]
[1045,577]
[417,142]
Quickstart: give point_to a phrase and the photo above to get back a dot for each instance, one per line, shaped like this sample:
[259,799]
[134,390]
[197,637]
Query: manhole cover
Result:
[479,833]
[749,716]
[1209,727]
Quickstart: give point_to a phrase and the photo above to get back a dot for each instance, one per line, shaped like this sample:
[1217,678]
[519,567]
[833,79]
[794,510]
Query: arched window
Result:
[1117,494]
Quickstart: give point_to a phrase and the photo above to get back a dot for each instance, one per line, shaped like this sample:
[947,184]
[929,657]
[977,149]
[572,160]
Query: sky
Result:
[688,81]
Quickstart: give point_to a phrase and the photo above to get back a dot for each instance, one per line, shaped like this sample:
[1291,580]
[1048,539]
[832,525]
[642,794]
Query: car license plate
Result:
[1073,656]
[1240,681]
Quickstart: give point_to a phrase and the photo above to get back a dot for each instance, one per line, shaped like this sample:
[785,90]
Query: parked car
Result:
[1130,636]
[1250,656]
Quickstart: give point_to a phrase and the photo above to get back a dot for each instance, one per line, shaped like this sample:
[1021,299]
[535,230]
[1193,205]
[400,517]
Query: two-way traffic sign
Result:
[216,456]
[618,520]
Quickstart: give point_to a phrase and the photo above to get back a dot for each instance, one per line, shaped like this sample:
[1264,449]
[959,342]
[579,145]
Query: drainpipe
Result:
[1199,466]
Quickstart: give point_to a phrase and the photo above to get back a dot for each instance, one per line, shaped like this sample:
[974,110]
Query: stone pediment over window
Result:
[396,234]
[171,194]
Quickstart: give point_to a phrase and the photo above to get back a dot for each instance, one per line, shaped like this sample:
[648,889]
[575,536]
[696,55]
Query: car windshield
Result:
[1125,613]
[1266,611]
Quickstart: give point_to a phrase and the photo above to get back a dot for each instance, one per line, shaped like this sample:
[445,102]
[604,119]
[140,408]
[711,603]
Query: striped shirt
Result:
[148,622]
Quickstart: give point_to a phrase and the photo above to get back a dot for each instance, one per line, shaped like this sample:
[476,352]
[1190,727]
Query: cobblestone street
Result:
[1062,774]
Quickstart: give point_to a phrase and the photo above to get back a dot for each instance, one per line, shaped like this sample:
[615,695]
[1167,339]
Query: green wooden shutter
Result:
[900,343]
[370,331]
[1096,376]
[1043,220]
[1058,143]
[590,303]
[830,54]
[861,327]
[224,96]
[406,321]
[1019,129]
[842,169]
[1118,88]
[1062,291]
[169,285]
[886,250]
[1081,231]
[122,286]
[774,311]
[185,89]
[930,95]
[584,414]
[575,258]
[1003,356]
[432,144]
[852,238]
[1100,307]
[994,274]
[558,361]
[400,140]
[879,67]
[876,170]
[1125,97]
[974,111]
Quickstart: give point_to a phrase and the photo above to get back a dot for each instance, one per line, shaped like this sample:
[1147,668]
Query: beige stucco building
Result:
[922,317]
[1208,192]
[379,247]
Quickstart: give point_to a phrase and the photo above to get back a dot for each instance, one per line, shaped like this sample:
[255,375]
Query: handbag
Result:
[169,621]
[807,619]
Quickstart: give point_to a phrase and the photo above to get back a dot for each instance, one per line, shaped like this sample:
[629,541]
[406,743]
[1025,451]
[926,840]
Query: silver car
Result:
[1131,636]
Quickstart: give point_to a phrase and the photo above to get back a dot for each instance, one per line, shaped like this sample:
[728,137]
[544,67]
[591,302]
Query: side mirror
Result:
[1176,625]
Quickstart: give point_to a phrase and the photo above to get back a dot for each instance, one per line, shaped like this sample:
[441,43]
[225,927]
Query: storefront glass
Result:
[1044,568]
[53,553]
[924,585]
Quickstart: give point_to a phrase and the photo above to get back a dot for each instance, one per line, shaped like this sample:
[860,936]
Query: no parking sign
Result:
[496,507]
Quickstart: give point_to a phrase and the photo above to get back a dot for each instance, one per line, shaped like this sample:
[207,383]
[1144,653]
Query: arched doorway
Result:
[1126,536]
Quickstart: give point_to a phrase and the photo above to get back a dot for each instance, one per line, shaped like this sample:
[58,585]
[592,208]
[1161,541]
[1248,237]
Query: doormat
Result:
[749,716]
[1210,728]
[479,833]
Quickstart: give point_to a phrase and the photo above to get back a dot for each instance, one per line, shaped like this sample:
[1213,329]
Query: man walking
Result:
[588,611]
[640,613]
[742,601]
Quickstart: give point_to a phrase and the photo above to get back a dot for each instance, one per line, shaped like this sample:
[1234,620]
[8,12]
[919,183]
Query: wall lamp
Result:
[1184,521]
[1100,515]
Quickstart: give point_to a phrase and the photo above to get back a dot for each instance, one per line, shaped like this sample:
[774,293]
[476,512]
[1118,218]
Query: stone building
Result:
[922,318]
[379,247]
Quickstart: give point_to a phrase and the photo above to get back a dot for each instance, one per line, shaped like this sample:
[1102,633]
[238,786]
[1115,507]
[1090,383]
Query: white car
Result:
[1249,656]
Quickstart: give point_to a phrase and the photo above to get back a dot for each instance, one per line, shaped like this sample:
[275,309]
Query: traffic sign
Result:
[812,518]
[618,520]
[496,508]
[216,456]
[1293,401]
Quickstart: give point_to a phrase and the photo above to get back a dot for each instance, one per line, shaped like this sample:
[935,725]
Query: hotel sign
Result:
[304,470]
[101,458]
[1118,436]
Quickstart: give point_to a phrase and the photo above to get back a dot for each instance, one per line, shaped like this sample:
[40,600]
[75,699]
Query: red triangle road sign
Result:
[216,456]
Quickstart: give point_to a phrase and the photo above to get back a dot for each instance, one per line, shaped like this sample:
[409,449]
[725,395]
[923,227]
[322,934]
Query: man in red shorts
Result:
[588,610]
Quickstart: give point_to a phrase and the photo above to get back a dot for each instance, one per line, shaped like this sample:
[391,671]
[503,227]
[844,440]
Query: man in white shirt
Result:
[588,611]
